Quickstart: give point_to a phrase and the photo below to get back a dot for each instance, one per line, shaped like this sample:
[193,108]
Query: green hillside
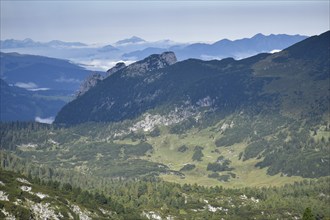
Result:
[291,83]
[162,139]
[31,198]
[267,115]
[22,105]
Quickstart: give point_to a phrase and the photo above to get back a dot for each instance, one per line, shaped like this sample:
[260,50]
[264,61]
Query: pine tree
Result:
[308,215]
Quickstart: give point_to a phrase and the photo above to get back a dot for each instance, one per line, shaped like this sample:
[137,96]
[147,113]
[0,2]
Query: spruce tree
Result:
[308,215]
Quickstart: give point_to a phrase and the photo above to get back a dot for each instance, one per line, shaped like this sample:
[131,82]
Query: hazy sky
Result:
[182,21]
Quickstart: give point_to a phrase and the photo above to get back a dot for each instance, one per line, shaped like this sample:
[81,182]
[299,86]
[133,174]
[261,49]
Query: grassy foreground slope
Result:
[207,155]
[25,198]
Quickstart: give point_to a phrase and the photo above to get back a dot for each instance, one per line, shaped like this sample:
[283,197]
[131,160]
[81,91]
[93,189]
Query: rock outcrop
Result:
[153,62]
[116,68]
[89,83]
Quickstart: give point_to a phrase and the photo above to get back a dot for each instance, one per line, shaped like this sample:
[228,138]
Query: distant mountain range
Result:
[228,84]
[11,43]
[132,40]
[237,49]
[135,48]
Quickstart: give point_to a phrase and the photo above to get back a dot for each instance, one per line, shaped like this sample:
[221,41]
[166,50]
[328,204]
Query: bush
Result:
[217,167]
[224,178]
[220,165]
[254,149]
[67,187]
[233,175]
[198,154]
[182,127]
[213,175]
[233,136]
[138,149]
[155,132]
[188,167]
[183,148]
[308,215]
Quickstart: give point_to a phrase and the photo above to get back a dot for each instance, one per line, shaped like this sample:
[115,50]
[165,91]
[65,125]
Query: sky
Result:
[180,21]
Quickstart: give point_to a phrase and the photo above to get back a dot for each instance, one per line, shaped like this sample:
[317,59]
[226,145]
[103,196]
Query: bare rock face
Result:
[153,62]
[89,82]
[168,57]
[116,68]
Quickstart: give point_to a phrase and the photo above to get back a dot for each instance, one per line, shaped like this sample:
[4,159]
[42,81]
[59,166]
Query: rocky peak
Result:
[153,62]
[132,40]
[116,68]
[168,57]
[89,82]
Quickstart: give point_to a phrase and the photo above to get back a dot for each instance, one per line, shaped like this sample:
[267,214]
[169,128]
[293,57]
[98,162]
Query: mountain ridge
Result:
[12,43]
[156,92]
[238,49]
[97,57]
[131,40]
[61,73]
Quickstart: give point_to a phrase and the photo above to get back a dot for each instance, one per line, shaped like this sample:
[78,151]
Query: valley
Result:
[168,139]
[85,156]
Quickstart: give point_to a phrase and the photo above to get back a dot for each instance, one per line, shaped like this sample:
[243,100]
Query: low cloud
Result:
[28,85]
[49,120]
[275,51]
[240,56]
[102,65]
[67,80]
[39,89]
[209,57]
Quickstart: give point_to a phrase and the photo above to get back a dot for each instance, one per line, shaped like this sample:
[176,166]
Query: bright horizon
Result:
[180,21]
